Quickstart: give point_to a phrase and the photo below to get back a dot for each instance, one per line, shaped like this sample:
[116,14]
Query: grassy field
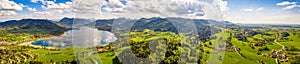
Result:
[51,55]
[250,54]
[106,57]
[234,58]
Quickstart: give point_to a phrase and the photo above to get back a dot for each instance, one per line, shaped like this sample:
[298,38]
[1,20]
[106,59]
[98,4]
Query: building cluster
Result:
[280,55]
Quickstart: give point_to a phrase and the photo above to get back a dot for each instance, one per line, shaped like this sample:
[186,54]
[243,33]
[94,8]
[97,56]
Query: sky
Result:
[264,11]
[236,11]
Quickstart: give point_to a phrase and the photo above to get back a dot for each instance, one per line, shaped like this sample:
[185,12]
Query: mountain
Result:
[33,26]
[204,27]
[74,21]
[102,24]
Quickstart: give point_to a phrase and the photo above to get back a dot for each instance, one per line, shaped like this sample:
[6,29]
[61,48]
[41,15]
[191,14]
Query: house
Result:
[102,50]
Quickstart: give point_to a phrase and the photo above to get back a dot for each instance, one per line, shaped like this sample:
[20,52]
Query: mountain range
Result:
[204,27]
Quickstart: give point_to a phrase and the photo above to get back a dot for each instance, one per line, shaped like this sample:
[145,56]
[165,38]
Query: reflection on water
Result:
[83,36]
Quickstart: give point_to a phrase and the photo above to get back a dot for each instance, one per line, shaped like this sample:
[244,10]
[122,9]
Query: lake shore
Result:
[38,46]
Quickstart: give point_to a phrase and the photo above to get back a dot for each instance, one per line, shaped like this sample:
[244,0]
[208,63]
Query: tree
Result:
[116,60]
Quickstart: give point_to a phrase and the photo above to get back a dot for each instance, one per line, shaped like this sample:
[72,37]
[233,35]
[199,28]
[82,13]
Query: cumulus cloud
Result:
[248,10]
[259,9]
[7,13]
[9,7]
[251,10]
[31,9]
[114,6]
[290,7]
[36,15]
[42,1]
[34,1]
[285,3]
[43,13]
[204,9]
[60,7]
[163,7]
[214,9]
[269,19]
[223,6]
[22,5]
[87,6]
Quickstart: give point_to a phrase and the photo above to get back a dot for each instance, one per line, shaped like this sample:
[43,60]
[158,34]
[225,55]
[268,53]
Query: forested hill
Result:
[33,26]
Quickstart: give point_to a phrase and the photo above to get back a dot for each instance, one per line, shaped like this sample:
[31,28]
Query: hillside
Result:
[19,31]
[33,26]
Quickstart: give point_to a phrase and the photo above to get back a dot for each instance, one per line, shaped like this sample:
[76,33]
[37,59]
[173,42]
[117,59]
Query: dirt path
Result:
[238,52]
[93,60]
[282,46]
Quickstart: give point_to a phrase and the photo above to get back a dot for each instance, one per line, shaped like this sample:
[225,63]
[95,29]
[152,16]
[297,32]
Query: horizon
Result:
[242,11]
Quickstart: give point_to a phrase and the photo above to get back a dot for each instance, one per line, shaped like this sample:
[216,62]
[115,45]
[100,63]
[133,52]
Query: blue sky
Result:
[239,11]
[269,9]
[36,5]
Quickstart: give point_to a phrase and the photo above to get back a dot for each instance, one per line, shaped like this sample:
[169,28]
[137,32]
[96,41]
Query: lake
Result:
[80,37]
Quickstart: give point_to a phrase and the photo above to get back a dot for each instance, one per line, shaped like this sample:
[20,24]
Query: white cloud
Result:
[269,19]
[61,7]
[43,13]
[223,6]
[285,3]
[248,10]
[7,13]
[36,1]
[215,9]
[87,6]
[289,7]
[114,6]
[206,9]
[9,7]
[36,15]
[31,9]
[253,10]
[22,5]
[259,9]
